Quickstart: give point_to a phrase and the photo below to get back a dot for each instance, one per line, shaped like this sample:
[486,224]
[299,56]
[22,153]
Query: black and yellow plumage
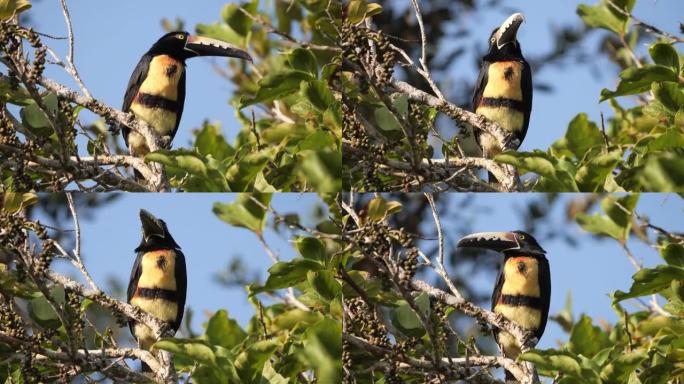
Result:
[503,91]
[156,90]
[158,282]
[523,288]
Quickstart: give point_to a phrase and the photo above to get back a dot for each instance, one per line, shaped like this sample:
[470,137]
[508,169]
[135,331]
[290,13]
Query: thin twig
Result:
[70,56]
[77,260]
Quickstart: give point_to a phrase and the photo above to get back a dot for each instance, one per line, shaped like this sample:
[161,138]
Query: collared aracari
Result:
[503,91]
[522,292]
[158,282]
[156,90]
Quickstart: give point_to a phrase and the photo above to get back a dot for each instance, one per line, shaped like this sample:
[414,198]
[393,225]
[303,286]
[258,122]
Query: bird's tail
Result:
[138,177]
[510,378]
[492,178]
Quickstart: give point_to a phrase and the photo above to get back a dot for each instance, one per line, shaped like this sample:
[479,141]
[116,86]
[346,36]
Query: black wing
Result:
[526,85]
[496,294]
[545,291]
[139,75]
[133,285]
[480,85]
[181,288]
[180,100]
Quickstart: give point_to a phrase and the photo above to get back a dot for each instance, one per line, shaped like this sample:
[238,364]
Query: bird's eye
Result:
[521,237]
[493,39]
[180,36]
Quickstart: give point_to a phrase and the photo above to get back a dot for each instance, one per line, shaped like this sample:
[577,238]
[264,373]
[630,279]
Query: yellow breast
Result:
[521,277]
[162,79]
[153,275]
[503,80]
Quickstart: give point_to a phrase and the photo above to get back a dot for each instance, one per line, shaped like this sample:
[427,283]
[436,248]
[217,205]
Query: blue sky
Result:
[590,271]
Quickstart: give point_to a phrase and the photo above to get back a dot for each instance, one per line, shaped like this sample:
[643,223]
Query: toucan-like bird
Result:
[158,282]
[503,92]
[156,90]
[522,292]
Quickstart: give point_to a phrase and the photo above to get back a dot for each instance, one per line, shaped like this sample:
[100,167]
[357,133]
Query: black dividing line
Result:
[156,293]
[499,102]
[154,101]
[521,301]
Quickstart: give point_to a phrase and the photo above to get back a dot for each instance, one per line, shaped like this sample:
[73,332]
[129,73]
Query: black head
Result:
[514,242]
[503,42]
[182,45]
[155,234]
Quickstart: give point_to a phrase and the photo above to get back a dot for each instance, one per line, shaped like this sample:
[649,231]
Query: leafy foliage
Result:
[642,347]
[293,336]
[639,149]
[290,118]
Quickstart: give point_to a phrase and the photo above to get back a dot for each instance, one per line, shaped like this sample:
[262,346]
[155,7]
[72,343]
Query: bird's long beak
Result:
[205,46]
[496,241]
[508,31]
[151,226]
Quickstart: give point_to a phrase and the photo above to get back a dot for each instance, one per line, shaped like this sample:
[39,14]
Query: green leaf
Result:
[673,254]
[377,209]
[555,361]
[236,19]
[276,86]
[244,212]
[591,176]
[8,8]
[356,11]
[665,54]
[542,164]
[295,318]
[324,283]
[386,120]
[651,280]
[284,274]
[406,319]
[41,311]
[250,363]
[669,94]
[224,331]
[182,159]
[662,173]
[637,80]
[587,339]
[373,9]
[616,223]
[210,141]
[219,31]
[302,59]
[13,202]
[33,117]
[670,139]
[195,350]
[241,176]
[323,350]
[582,135]
[321,169]
[603,16]
[311,248]
[270,376]
[318,93]
[618,370]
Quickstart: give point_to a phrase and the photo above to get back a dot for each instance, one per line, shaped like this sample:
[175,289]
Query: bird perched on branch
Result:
[158,282]
[156,90]
[522,292]
[503,91]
